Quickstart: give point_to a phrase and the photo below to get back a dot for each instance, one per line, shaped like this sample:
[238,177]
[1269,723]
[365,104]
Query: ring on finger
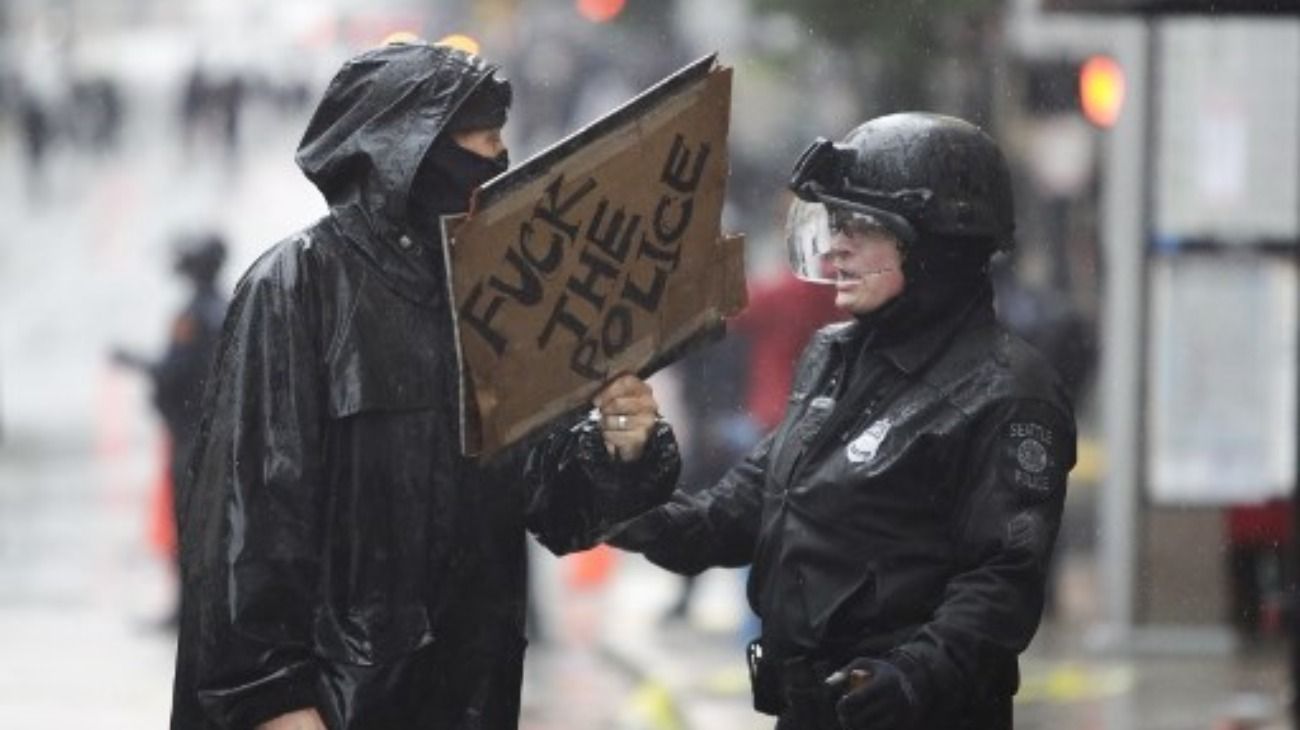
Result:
[620,422]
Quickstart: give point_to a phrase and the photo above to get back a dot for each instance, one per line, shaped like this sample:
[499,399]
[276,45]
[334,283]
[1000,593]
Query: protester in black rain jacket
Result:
[900,520]
[343,565]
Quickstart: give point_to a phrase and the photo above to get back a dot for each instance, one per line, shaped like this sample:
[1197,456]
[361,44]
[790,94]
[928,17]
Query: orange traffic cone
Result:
[162,521]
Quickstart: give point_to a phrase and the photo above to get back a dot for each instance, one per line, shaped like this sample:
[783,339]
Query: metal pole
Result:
[1293,579]
[1124,229]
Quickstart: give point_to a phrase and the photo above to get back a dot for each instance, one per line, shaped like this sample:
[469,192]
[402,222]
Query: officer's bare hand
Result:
[627,415]
[307,719]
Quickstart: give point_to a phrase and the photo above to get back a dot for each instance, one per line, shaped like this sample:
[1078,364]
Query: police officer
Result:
[900,519]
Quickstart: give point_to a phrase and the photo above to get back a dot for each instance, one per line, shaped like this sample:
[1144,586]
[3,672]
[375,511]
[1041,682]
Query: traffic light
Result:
[600,11]
[1101,90]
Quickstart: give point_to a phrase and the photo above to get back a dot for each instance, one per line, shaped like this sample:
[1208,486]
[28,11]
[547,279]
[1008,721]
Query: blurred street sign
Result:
[1222,397]
[1227,135]
[598,256]
[1170,7]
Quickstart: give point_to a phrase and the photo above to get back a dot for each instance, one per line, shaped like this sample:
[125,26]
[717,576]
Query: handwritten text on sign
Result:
[595,308]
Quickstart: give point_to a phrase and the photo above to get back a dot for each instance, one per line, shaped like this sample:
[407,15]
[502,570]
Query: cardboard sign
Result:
[600,256]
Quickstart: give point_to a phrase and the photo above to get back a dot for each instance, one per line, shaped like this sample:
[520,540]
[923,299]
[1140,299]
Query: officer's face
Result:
[868,269]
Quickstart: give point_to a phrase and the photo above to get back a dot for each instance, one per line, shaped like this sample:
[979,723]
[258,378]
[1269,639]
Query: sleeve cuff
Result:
[917,684]
[245,707]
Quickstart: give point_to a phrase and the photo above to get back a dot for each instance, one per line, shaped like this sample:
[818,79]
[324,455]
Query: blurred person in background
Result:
[1260,567]
[96,112]
[737,390]
[38,136]
[191,107]
[343,565]
[180,376]
[717,432]
[1046,319]
[900,519]
[783,313]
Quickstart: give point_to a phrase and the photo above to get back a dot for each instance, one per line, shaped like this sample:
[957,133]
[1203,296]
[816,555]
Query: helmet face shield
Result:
[808,241]
[812,229]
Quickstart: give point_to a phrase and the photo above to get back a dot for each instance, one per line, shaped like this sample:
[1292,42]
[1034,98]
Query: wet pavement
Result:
[84,266]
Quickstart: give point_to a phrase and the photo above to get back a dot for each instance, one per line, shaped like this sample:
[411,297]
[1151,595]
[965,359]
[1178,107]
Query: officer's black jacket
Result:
[337,550]
[920,529]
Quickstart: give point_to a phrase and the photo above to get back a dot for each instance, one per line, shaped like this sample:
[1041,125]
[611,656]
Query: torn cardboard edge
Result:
[540,164]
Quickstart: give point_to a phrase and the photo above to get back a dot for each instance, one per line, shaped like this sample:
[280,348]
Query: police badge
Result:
[863,448]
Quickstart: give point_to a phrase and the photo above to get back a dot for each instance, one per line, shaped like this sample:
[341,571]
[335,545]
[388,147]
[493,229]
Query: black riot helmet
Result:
[928,179]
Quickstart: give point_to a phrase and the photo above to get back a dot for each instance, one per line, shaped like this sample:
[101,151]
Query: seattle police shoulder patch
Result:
[1034,453]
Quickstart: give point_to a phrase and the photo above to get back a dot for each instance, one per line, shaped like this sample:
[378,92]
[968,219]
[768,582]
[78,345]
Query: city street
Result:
[84,266]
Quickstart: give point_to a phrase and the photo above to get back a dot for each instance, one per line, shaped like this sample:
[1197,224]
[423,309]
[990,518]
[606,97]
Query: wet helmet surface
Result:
[920,174]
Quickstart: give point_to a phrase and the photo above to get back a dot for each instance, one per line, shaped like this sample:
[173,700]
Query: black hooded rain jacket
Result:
[337,551]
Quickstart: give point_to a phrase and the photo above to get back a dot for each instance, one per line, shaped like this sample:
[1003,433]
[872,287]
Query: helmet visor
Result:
[811,230]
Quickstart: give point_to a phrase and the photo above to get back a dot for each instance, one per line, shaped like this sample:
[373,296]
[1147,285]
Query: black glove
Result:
[877,696]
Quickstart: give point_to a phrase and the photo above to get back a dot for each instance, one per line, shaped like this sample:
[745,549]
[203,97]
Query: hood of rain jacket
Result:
[379,116]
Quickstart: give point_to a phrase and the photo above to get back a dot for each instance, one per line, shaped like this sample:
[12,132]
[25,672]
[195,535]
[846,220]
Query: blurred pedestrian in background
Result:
[179,377]
[344,566]
[38,135]
[717,430]
[210,111]
[1261,568]
[901,518]
[736,391]
[783,313]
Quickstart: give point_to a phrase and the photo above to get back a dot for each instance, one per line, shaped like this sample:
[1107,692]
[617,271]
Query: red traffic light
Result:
[1101,90]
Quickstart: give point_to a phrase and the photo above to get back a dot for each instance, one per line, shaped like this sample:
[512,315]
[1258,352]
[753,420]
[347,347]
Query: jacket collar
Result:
[915,351]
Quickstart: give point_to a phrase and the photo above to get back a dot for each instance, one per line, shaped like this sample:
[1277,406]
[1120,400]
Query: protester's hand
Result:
[307,719]
[877,696]
[628,412]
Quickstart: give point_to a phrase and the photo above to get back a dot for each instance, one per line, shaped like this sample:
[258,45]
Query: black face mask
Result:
[445,180]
